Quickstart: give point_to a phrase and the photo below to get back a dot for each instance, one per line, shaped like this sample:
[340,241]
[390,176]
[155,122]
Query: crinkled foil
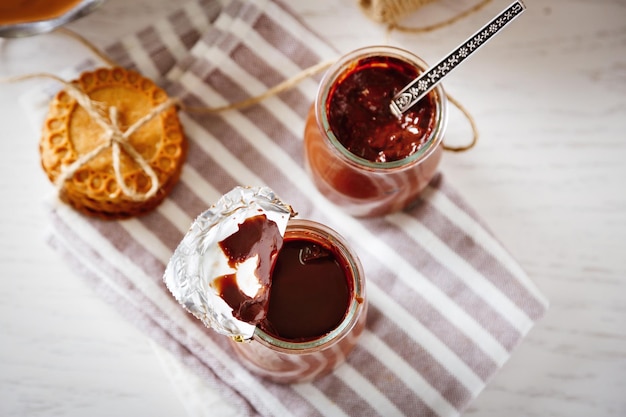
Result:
[198,259]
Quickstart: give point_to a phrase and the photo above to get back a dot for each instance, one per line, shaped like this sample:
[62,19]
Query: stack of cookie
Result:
[70,132]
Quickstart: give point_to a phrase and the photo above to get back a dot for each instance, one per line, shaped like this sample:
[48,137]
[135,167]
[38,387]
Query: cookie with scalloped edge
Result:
[69,133]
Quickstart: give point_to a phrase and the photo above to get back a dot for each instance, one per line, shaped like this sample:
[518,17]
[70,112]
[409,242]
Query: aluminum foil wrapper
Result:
[199,260]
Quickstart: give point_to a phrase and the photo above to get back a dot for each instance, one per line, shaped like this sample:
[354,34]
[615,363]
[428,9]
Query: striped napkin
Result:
[448,304]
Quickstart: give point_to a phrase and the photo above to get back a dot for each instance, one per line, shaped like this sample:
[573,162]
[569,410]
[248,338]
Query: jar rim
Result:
[339,67]
[357,300]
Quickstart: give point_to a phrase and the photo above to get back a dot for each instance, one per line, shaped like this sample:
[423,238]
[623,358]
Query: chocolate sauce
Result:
[359,115]
[304,296]
[310,293]
[257,236]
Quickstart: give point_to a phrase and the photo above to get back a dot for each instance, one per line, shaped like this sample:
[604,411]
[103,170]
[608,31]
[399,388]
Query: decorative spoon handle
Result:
[419,87]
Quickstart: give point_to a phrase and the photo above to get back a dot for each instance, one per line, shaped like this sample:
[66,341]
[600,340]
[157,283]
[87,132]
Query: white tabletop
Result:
[547,176]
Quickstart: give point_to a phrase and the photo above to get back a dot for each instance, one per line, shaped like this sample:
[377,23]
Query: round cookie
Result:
[70,132]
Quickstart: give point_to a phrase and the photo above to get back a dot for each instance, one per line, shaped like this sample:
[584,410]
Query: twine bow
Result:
[115,139]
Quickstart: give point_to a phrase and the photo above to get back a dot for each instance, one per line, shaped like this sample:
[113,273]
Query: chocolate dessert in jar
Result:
[289,293]
[316,310]
[359,154]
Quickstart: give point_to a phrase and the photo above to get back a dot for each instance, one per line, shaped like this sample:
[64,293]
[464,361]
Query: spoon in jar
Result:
[419,87]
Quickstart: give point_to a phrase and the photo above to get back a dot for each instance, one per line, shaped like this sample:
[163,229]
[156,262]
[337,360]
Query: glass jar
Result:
[358,184]
[302,356]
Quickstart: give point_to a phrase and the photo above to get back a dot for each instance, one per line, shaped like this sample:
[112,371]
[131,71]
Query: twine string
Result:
[277,89]
[93,48]
[473,126]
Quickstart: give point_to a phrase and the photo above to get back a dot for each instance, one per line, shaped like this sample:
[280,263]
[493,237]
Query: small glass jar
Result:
[286,360]
[363,187]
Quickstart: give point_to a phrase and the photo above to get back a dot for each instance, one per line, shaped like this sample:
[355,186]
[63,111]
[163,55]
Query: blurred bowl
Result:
[15,30]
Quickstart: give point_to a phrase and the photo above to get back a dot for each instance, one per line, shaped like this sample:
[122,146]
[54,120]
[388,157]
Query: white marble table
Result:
[549,97]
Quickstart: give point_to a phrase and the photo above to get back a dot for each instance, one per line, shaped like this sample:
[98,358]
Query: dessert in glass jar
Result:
[316,311]
[359,154]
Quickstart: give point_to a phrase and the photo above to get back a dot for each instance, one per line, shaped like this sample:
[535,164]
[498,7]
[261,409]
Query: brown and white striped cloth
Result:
[448,304]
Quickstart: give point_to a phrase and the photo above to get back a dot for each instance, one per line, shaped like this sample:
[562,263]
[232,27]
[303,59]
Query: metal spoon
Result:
[419,87]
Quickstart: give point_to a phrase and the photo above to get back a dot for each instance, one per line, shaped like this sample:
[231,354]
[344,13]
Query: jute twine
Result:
[112,137]
[390,12]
